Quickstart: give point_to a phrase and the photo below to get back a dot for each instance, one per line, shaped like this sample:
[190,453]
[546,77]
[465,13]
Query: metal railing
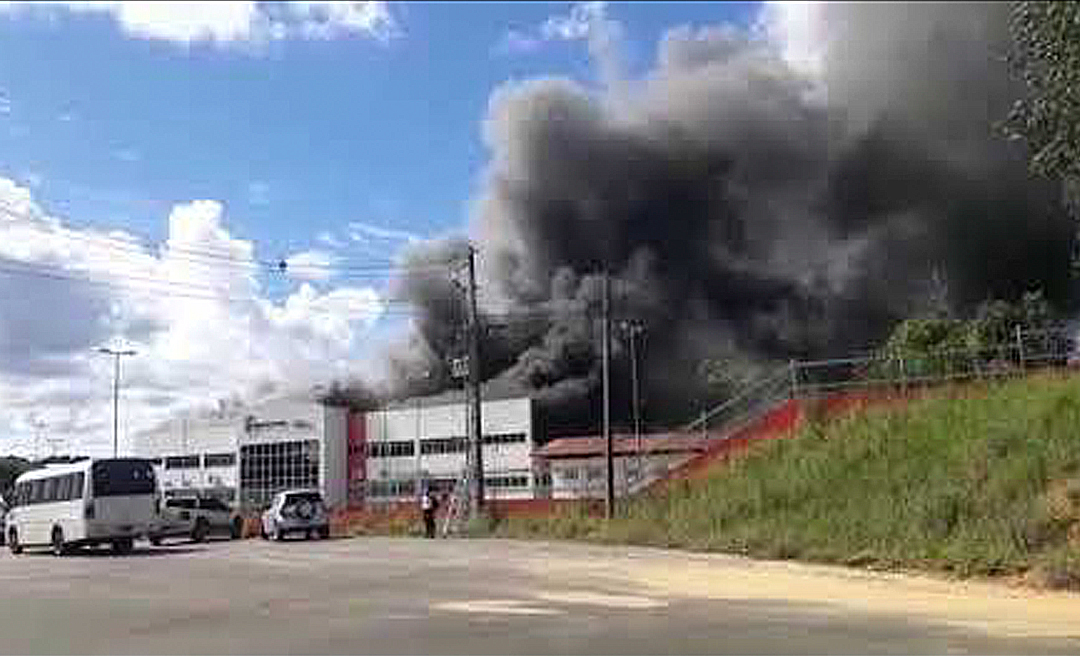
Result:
[1027,351]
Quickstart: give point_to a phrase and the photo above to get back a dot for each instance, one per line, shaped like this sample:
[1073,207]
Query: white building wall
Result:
[416,422]
[192,436]
[585,478]
[334,474]
[274,421]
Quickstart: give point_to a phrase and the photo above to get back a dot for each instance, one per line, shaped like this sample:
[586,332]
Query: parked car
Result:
[296,511]
[196,518]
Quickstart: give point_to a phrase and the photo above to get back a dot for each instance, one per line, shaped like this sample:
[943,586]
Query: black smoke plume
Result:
[745,206]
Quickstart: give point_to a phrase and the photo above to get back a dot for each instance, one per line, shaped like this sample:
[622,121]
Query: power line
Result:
[165,288]
[199,255]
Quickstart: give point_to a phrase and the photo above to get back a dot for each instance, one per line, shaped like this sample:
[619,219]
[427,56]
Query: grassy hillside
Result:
[975,481]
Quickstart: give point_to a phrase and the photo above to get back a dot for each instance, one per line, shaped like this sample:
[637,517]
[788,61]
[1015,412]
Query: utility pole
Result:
[633,329]
[117,354]
[609,496]
[476,499]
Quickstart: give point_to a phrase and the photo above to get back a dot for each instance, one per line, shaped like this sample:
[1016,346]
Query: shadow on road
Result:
[107,552]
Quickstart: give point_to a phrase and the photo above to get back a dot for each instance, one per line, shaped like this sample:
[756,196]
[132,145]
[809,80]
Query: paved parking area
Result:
[396,596]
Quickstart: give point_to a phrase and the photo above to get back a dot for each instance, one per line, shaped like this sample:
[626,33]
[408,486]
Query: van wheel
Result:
[155,540]
[58,546]
[123,546]
[13,541]
[198,534]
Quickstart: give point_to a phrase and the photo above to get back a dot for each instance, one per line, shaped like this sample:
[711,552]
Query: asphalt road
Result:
[397,596]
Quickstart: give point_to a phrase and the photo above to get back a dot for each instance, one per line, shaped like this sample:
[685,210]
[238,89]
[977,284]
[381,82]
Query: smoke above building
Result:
[784,191]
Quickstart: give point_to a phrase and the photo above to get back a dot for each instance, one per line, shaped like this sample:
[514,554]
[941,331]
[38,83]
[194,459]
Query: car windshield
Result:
[311,497]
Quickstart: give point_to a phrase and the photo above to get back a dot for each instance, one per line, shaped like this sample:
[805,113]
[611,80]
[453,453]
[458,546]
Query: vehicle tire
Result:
[307,534]
[123,546]
[199,533]
[57,542]
[278,534]
[13,541]
[324,533]
[236,530]
[155,540]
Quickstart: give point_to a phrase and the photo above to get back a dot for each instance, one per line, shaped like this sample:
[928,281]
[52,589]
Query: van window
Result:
[37,491]
[78,487]
[51,485]
[63,492]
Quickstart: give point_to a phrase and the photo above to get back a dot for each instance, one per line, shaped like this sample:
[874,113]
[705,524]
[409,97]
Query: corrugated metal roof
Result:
[583,447]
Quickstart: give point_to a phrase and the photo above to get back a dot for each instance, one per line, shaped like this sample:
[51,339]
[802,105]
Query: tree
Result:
[10,468]
[1046,56]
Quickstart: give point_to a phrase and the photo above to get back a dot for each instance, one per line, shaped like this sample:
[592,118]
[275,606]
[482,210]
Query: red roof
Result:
[583,447]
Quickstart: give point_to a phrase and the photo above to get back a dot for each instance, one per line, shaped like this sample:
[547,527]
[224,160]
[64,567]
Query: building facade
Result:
[423,442]
[578,466]
[247,457]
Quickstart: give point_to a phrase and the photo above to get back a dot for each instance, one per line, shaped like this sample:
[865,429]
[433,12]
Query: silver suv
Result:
[196,518]
[296,511]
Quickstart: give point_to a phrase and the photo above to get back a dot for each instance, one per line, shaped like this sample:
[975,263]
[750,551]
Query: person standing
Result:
[428,507]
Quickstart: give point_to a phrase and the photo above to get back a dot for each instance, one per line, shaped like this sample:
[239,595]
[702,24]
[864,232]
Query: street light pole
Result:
[116,354]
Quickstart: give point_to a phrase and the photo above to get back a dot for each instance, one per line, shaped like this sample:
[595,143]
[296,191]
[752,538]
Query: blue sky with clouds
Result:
[297,136]
[331,134]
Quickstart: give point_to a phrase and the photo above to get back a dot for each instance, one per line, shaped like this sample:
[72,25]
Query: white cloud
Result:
[582,20]
[196,309]
[5,103]
[236,22]
[311,265]
[587,21]
[328,239]
[800,30]
[359,231]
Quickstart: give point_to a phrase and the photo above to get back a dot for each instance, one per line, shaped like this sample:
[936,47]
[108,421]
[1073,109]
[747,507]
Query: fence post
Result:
[1020,347]
[903,373]
[793,370]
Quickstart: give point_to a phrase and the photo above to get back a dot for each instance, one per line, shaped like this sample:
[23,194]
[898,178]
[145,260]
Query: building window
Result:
[595,473]
[219,460]
[570,474]
[505,438]
[266,469]
[182,462]
[391,489]
[501,482]
[391,449]
[443,445]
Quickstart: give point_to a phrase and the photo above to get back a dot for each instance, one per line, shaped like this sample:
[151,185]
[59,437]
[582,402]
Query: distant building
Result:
[423,441]
[578,470]
[247,456]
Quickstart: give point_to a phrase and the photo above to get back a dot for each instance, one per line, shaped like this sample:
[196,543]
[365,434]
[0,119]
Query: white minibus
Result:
[86,503]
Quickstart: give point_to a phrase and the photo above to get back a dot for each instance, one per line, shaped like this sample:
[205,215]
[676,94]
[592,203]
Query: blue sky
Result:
[299,138]
[282,129]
